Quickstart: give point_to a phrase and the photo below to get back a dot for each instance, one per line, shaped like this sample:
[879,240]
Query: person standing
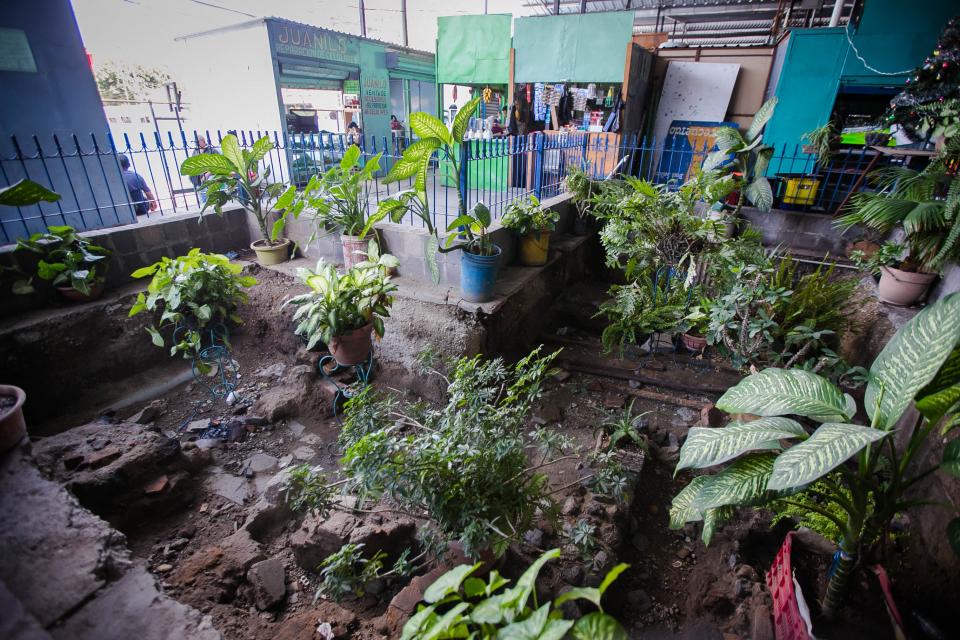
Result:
[141,197]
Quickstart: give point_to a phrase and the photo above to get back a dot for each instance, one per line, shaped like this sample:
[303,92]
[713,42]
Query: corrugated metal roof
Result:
[707,22]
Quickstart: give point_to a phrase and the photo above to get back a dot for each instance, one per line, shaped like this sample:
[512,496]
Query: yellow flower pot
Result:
[533,248]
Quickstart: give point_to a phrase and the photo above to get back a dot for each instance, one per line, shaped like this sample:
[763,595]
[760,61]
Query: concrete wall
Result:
[408,243]
[56,95]
[134,246]
[800,230]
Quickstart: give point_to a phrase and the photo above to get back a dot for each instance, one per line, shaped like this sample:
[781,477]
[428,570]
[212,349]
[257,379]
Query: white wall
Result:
[228,81]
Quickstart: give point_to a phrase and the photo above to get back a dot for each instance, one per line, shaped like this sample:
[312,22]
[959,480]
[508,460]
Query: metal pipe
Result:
[363,20]
[403,17]
[837,13]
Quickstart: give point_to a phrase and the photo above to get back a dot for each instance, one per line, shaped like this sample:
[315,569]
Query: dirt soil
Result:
[675,587]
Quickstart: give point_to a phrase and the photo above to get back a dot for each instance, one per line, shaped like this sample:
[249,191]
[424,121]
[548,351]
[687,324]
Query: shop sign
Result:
[375,96]
[684,142]
[310,42]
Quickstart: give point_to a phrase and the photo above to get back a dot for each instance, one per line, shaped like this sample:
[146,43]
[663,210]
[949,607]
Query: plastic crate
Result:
[786,614]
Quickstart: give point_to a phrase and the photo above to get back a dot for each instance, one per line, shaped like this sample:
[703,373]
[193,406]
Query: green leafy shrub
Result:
[339,194]
[652,303]
[196,291]
[459,605]
[337,304]
[464,465]
[527,216]
[653,227]
[67,259]
[889,254]
[920,364]
[234,175]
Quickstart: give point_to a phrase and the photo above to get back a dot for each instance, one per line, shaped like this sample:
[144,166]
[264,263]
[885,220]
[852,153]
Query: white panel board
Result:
[694,91]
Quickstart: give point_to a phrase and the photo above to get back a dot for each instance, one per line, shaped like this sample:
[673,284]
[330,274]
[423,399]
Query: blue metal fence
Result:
[85,170]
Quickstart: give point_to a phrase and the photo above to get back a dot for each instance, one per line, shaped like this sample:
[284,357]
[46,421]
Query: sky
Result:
[141,32]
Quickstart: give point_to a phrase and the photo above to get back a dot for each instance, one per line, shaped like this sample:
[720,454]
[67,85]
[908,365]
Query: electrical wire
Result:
[846,31]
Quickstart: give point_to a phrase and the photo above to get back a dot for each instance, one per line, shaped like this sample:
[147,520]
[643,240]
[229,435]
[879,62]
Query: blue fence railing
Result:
[86,171]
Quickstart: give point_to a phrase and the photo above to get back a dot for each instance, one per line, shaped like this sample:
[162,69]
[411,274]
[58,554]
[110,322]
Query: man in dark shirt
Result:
[141,197]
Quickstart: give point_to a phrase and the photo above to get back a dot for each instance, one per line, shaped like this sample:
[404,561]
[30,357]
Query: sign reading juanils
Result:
[374,96]
[309,42]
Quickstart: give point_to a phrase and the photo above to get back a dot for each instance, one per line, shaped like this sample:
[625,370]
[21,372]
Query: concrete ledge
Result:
[813,233]
[134,246]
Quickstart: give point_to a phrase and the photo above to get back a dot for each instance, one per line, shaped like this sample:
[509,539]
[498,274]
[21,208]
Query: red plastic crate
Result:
[786,614]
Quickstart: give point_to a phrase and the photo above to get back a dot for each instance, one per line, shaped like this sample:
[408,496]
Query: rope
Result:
[856,52]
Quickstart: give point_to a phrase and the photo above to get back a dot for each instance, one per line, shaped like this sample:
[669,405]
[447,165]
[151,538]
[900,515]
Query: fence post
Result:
[583,152]
[464,177]
[538,168]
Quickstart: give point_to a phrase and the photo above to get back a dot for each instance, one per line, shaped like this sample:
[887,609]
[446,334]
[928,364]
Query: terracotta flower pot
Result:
[268,254]
[693,343]
[12,425]
[352,347]
[71,294]
[903,288]
[354,250]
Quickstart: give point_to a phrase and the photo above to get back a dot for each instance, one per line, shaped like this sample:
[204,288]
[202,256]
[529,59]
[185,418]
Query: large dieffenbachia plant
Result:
[774,457]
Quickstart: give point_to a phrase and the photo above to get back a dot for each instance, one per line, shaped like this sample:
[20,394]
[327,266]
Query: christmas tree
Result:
[929,106]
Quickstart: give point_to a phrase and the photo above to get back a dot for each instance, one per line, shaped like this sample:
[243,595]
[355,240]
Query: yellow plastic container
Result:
[534,247]
[801,191]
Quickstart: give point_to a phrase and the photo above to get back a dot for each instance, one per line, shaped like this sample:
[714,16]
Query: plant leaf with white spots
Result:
[681,509]
[912,359]
[706,447]
[831,445]
[778,392]
[743,482]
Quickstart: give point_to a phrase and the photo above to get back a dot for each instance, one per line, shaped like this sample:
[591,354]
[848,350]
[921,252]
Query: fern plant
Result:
[925,203]
[921,363]
[653,303]
[750,159]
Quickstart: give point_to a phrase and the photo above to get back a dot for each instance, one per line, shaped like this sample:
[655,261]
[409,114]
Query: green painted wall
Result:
[589,47]
[473,49]
[893,36]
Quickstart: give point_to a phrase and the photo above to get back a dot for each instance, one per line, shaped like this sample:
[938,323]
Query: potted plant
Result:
[339,197]
[417,159]
[480,260]
[851,474]
[696,326]
[73,264]
[343,311]
[651,303]
[234,176]
[12,425]
[533,224]
[198,293]
[925,205]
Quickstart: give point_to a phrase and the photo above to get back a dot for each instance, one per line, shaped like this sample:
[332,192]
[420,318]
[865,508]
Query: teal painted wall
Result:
[893,36]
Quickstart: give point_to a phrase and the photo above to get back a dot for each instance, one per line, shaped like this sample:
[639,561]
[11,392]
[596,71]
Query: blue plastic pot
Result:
[478,274]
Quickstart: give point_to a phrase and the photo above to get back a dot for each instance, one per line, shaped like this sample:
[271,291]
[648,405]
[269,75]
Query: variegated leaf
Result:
[681,510]
[712,519]
[743,482]
[911,360]
[777,392]
[760,119]
[935,399]
[706,447]
[831,445]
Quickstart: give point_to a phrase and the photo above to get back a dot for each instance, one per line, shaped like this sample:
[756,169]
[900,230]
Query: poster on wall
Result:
[685,146]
